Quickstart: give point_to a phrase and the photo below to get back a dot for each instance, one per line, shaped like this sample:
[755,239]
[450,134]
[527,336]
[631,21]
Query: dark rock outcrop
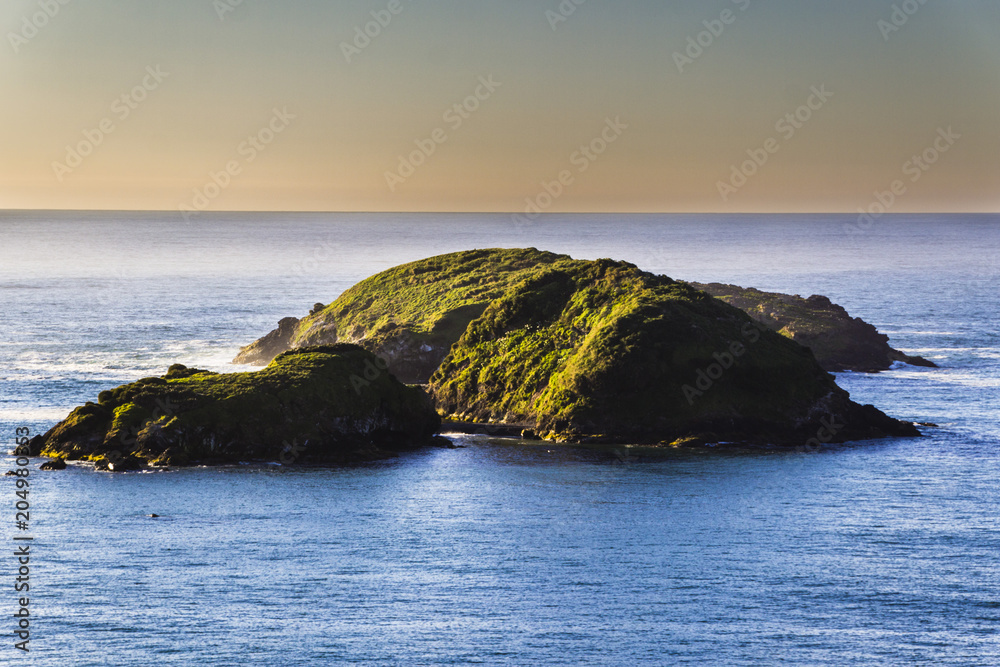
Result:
[261,352]
[32,448]
[53,464]
[839,341]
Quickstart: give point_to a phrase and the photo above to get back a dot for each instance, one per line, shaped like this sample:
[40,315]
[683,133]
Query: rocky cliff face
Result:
[839,341]
[262,351]
[324,404]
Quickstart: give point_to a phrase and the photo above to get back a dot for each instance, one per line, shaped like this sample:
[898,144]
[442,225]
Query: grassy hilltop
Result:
[410,314]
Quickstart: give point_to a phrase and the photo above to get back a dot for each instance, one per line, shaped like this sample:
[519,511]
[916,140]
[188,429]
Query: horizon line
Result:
[475,212]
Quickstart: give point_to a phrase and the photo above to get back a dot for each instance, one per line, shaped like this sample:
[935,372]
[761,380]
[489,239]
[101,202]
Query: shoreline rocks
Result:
[53,464]
[261,352]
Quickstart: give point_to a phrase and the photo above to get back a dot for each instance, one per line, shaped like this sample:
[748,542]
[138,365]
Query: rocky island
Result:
[517,339]
[394,322]
[303,407]
[582,350]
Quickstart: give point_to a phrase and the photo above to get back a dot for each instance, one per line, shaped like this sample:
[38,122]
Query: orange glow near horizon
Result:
[480,108]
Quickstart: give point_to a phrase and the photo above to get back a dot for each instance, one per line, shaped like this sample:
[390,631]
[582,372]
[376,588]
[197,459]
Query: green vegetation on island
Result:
[601,351]
[512,339]
[581,350]
[410,314]
[324,404]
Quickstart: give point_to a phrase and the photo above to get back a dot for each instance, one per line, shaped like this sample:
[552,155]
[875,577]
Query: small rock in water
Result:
[35,445]
[53,464]
[443,442]
[153,516]
[125,464]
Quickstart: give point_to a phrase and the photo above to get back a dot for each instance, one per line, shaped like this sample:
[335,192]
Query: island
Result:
[839,341]
[518,341]
[329,404]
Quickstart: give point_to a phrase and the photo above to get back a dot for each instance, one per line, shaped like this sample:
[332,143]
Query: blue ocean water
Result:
[505,552]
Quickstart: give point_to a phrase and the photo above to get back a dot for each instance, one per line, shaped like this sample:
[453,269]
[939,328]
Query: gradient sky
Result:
[892,92]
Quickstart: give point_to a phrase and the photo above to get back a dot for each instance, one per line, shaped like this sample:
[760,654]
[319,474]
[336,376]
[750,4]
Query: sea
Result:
[502,552]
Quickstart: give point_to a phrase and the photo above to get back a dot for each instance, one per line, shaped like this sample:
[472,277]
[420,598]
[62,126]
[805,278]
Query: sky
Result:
[513,106]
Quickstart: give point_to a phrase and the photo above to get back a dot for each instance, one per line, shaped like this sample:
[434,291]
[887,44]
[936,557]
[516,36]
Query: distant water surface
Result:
[504,552]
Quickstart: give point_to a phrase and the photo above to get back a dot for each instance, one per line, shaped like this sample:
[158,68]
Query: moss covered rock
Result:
[409,315]
[322,404]
[601,351]
[839,341]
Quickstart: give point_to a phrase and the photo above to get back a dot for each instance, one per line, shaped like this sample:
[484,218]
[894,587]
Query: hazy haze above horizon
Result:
[212,73]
